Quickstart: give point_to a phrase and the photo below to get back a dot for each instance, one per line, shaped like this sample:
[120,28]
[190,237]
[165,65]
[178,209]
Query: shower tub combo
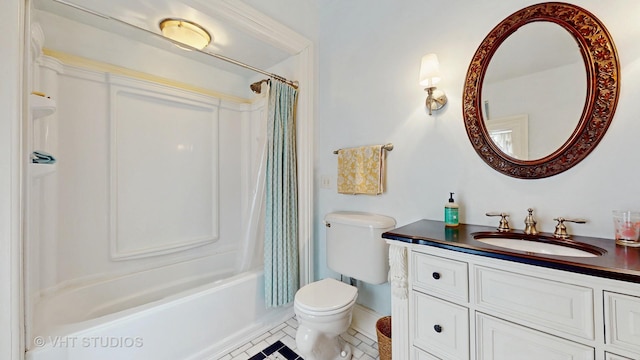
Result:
[191,304]
[135,238]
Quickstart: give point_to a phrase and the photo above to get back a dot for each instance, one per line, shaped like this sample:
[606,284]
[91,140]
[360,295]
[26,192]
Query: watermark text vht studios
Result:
[89,341]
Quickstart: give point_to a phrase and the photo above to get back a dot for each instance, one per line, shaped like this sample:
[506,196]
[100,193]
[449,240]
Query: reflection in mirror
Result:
[511,135]
[534,91]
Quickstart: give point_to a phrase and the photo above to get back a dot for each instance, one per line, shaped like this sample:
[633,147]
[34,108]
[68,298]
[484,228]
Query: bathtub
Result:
[200,323]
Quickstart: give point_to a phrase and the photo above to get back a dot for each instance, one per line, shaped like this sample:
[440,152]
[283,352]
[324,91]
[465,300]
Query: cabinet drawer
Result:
[502,340]
[440,327]
[554,305]
[419,354]
[611,356]
[439,276]
[622,320]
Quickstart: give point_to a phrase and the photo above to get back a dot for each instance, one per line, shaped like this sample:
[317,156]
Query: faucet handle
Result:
[504,223]
[561,229]
[530,223]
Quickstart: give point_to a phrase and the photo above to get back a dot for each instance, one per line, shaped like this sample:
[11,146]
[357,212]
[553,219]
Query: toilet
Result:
[323,308]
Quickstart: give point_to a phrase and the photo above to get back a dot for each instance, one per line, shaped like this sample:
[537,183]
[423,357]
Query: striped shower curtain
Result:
[281,215]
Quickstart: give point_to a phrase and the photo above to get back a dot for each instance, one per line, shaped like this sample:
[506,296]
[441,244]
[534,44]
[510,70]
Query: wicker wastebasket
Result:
[383,329]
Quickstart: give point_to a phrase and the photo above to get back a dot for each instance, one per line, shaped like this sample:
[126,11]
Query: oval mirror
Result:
[530,108]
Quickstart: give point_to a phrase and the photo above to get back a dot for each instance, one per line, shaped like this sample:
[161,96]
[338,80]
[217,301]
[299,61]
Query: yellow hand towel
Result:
[361,170]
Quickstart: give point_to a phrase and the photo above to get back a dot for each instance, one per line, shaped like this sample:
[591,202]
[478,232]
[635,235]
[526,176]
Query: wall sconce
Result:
[429,76]
[185,32]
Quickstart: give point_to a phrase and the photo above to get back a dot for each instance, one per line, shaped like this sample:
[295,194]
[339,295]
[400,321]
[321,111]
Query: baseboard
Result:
[364,321]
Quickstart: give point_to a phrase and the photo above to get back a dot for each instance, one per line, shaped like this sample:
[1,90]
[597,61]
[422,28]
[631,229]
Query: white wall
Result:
[369,57]
[301,16]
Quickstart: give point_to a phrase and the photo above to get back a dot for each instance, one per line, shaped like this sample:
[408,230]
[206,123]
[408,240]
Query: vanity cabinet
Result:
[452,305]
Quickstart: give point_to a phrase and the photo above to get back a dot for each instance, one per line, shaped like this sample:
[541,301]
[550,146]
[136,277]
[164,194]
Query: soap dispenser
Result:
[451,212]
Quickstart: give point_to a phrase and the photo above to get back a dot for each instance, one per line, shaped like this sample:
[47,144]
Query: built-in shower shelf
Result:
[41,106]
[41,170]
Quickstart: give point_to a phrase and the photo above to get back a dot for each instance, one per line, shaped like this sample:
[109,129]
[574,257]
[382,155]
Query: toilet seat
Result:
[325,297]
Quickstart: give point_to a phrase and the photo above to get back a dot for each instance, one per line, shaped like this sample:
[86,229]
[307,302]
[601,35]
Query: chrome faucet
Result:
[530,223]
[504,223]
[561,229]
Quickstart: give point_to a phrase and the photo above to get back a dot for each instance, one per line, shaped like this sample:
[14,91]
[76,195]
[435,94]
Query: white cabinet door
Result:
[502,340]
[622,320]
[440,327]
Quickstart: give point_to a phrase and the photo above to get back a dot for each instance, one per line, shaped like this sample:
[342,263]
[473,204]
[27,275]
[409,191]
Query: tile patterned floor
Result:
[279,344]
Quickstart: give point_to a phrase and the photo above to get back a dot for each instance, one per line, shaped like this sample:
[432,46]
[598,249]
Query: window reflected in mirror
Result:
[511,135]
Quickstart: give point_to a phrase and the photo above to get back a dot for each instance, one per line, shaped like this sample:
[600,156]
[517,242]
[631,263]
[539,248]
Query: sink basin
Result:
[537,244]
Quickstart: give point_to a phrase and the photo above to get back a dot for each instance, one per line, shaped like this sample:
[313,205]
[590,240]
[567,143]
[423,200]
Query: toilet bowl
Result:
[323,310]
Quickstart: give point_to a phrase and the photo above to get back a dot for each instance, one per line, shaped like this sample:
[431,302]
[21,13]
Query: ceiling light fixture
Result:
[185,32]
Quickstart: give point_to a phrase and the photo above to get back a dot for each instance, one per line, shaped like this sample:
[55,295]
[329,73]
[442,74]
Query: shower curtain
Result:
[253,245]
[281,211]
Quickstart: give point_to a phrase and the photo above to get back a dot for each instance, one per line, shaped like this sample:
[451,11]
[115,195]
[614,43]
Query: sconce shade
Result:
[429,70]
[185,32]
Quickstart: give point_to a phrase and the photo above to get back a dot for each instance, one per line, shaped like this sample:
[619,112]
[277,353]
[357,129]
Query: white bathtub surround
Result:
[163,149]
[137,245]
[195,324]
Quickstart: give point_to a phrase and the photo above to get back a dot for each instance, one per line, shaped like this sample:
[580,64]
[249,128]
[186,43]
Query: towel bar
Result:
[387,147]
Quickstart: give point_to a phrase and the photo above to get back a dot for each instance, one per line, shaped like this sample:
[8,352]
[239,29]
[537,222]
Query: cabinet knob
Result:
[436,275]
[437,328]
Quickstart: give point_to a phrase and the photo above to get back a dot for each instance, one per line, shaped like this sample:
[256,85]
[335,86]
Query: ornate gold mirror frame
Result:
[603,86]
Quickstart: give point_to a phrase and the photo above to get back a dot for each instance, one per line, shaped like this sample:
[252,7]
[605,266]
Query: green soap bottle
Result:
[451,212]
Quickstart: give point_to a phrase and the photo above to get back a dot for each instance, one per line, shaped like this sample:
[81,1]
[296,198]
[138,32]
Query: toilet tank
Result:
[355,247]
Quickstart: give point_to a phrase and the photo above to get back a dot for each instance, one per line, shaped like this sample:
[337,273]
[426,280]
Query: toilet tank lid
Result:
[364,219]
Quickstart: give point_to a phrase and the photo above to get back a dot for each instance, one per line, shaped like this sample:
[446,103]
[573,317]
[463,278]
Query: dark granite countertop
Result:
[617,262]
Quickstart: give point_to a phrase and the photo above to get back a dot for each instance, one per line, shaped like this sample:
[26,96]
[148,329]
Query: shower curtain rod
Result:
[293,83]
[214,55]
